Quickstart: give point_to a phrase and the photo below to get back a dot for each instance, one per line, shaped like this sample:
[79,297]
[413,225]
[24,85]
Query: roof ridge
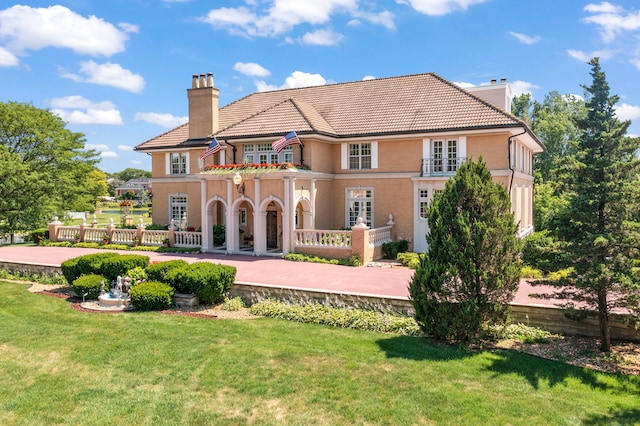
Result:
[297,104]
[162,134]
[483,101]
[277,104]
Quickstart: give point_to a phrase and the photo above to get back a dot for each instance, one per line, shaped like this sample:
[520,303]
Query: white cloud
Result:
[322,38]
[523,38]
[636,63]
[586,56]
[136,162]
[105,151]
[25,28]
[440,7]
[251,69]
[282,16]
[296,79]
[168,121]
[464,84]
[625,112]
[107,75]
[368,77]
[7,59]
[612,20]
[79,110]
[520,87]
[125,147]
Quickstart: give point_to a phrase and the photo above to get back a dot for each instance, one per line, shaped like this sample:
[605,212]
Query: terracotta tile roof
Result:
[420,103]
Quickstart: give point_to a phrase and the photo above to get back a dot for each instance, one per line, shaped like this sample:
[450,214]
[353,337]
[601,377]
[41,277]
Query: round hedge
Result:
[151,296]
[88,286]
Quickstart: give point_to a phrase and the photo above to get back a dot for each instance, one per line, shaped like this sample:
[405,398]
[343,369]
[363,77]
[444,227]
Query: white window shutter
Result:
[186,161]
[374,155]
[344,156]
[167,158]
[462,147]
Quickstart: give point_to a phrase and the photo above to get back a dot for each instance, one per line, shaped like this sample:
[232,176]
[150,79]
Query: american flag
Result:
[289,139]
[213,147]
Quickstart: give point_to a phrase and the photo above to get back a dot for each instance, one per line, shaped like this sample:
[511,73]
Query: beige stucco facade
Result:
[386,179]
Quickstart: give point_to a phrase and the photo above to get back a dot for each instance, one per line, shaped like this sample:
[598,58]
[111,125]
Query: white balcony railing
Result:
[188,239]
[154,237]
[441,166]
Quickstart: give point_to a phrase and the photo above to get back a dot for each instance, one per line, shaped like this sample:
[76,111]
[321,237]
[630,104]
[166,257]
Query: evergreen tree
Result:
[471,270]
[602,191]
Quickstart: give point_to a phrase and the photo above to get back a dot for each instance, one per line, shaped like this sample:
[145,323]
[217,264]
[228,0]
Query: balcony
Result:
[440,166]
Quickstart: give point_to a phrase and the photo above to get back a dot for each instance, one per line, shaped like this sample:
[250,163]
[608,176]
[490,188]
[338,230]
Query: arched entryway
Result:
[246,226]
[303,218]
[216,224]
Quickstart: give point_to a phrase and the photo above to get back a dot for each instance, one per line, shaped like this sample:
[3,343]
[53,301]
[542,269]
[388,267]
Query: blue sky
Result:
[118,70]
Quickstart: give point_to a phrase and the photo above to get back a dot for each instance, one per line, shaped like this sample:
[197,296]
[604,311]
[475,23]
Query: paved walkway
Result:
[378,281]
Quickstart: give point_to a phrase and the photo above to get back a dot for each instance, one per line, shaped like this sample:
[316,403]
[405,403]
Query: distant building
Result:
[136,185]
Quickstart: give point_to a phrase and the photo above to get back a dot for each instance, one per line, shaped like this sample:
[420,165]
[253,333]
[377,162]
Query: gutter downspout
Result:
[235,149]
[513,171]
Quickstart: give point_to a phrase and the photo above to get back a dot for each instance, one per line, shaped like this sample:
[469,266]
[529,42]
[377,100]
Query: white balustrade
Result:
[379,236]
[322,238]
[95,235]
[188,239]
[154,237]
[124,236]
[68,233]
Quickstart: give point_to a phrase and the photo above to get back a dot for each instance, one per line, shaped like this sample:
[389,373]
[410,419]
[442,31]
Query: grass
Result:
[60,366]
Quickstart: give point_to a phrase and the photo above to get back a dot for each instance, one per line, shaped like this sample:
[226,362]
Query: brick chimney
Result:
[203,106]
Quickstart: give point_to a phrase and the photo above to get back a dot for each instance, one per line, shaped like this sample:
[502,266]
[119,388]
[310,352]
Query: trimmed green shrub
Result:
[151,296]
[209,281]
[530,272]
[37,236]
[136,274]
[84,265]
[410,259]
[299,257]
[158,271]
[391,249]
[120,264]
[88,286]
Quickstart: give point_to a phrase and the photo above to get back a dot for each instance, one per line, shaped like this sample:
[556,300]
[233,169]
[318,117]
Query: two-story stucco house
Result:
[368,149]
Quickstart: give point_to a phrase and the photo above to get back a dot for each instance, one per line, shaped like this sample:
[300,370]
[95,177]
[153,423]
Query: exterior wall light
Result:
[238,182]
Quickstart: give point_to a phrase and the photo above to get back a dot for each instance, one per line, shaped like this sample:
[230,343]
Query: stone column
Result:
[53,229]
[360,241]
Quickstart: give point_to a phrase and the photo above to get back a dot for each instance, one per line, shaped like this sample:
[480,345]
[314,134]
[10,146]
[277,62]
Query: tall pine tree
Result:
[597,225]
[471,271]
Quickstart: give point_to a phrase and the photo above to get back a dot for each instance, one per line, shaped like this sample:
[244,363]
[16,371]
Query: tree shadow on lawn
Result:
[422,349]
[501,361]
[536,370]
[617,416]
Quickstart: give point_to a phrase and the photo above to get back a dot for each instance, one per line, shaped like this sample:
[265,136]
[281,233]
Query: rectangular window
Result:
[452,155]
[444,155]
[178,163]
[243,217]
[177,209]
[359,156]
[423,199]
[263,154]
[359,204]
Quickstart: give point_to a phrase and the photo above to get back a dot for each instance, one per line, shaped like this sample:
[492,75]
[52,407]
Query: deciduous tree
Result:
[43,166]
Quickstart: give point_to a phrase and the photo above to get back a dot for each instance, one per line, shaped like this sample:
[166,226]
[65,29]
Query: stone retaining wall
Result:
[546,317]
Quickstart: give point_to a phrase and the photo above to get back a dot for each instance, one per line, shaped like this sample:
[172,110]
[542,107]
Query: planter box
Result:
[185,300]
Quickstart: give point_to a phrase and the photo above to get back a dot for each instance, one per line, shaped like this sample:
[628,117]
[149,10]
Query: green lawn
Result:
[60,366]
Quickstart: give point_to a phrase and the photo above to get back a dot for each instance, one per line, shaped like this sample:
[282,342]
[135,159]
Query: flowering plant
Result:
[255,168]
[126,203]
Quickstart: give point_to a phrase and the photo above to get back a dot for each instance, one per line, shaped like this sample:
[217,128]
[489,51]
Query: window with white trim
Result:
[359,204]
[263,154]
[423,202]
[178,163]
[444,153]
[177,208]
[359,156]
